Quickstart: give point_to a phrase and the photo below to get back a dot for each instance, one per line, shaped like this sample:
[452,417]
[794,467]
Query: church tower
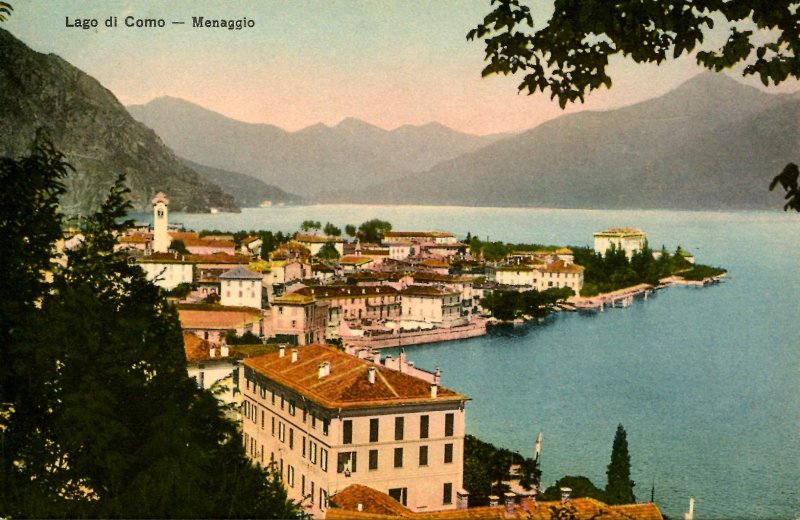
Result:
[161,239]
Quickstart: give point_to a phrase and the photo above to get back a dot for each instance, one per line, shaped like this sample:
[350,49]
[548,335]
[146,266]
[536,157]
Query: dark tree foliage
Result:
[350,230]
[613,271]
[271,241]
[568,54]
[248,338]
[486,466]
[619,488]
[331,230]
[580,486]
[5,11]
[179,247]
[308,225]
[328,252]
[100,418]
[508,305]
[372,231]
[788,180]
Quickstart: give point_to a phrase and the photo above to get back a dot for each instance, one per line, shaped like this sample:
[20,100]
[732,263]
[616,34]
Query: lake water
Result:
[706,381]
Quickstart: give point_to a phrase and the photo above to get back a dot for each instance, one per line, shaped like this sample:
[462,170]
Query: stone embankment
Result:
[396,339]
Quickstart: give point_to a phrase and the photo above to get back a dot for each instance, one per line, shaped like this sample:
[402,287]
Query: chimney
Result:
[324,369]
[437,375]
[494,501]
[282,351]
[462,499]
[224,351]
[360,506]
[371,374]
[212,352]
[565,492]
[294,355]
[434,391]
[376,357]
[509,502]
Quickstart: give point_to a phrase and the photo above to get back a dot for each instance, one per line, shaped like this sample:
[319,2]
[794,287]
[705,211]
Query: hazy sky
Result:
[388,62]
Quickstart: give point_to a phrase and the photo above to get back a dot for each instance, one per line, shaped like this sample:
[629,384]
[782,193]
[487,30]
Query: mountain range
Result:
[94,131]
[711,143]
[309,161]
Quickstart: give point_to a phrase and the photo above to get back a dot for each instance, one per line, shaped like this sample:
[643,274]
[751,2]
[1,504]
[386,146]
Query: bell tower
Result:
[161,239]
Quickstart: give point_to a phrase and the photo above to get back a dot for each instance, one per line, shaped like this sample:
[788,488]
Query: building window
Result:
[325,424]
[347,431]
[312,449]
[398,457]
[290,476]
[323,499]
[346,460]
[281,432]
[423,455]
[447,493]
[448,453]
[399,494]
[292,408]
[291,438]
[373,459]
[273,426]
[304,446]
[424,421]
[398,428]
[323,459]
[373,430]
[302,485]
[448,424]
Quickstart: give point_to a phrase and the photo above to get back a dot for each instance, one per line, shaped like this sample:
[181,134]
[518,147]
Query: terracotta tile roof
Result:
[354,260]
[564,251]
[560,266]
[219,258]
[293,298]
[328,292]
[435,262]
[379,505]
[165,258]
[247,240]
[347,385]
[621,231]
[417,234]
[240,273]
[134,239]
[196,349]
[316,239]
[191,238]
[427,290]
[209,317]
[515,267]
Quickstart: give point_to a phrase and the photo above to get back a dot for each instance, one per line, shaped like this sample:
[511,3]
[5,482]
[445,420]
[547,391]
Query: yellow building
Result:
[329,420]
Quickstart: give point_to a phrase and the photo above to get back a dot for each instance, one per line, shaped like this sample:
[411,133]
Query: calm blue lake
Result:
[706,381]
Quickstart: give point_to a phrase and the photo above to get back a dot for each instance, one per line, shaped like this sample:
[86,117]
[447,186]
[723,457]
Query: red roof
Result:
[375,505]
[347,385]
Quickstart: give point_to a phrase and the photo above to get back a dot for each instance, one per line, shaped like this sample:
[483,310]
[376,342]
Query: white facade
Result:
[410,448]
[161,238]
[628,239]
[168,274]
[241,287]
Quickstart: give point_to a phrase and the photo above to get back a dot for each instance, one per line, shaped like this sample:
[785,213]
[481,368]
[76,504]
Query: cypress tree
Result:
[619,488]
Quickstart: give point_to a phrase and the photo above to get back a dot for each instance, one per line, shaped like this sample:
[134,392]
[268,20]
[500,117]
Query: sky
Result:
[387,62]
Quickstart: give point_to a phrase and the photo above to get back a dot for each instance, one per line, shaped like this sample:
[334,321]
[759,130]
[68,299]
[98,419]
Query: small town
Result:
[293,339]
